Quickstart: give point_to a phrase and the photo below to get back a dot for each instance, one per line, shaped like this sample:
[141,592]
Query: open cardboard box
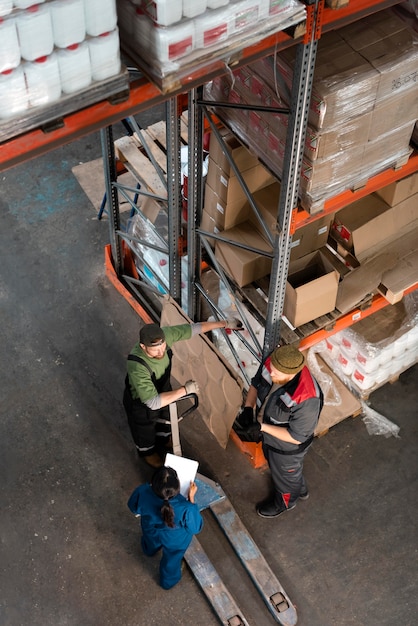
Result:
[244,266]
[311,288]
[363,226]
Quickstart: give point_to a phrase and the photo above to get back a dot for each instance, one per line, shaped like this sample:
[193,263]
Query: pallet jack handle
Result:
[175,418]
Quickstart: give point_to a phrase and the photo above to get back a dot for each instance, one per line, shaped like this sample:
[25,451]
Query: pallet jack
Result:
[211,496]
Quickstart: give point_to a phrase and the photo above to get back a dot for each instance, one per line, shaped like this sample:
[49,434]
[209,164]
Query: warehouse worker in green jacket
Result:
[148,390]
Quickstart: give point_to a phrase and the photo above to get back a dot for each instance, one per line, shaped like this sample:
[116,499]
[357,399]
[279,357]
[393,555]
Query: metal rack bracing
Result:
[144,95]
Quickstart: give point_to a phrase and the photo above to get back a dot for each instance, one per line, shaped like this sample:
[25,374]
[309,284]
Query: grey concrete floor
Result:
[69,546]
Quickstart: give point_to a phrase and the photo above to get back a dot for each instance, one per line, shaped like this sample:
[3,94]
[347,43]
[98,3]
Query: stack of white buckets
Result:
[52,48]
[368,366]
[168,30]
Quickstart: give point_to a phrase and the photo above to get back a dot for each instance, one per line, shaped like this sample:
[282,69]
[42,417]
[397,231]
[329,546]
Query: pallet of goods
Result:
[365,96]
[56,57]
[169,41]
[376,350]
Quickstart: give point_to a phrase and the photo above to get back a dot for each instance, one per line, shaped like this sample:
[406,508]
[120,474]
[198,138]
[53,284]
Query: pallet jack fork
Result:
[211,496]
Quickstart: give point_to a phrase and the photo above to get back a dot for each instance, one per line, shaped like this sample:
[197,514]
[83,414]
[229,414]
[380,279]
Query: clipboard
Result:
[186,470]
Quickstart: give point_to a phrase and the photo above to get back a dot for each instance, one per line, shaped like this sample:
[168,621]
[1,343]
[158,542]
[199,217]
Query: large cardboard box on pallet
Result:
[384,40]
[311,289]
[244,266]
[306,239]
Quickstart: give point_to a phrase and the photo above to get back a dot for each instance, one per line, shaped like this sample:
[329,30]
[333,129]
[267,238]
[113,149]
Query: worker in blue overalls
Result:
[168,521]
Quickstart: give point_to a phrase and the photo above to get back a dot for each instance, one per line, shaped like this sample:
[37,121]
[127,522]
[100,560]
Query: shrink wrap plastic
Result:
[349,121]
[167,45]
[364,365]
[47,53]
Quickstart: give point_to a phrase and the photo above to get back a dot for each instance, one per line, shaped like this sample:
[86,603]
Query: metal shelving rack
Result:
[144,95]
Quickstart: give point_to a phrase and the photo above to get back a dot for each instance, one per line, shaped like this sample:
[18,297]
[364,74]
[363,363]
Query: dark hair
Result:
[165,484]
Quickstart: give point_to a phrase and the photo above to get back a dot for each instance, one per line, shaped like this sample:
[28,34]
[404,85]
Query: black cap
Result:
[151,335]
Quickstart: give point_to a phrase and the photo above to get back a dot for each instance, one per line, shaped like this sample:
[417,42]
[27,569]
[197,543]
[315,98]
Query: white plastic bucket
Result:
[383,373]
[386,354]
[9,45]
[34,29]
[212,27]
[193,8]
[43,80]
[345,362]
[13,93]
[100,16]
[400,345]
[362,379]
[368,362]
[412,338]
[163,12]
[68,22]
[170,44]
[75,68]
[105,55]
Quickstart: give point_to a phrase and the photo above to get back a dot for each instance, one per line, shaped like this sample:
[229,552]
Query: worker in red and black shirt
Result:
[282,408]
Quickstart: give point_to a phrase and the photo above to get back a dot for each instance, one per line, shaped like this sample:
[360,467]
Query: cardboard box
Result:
[244,266]
[400,190]
[228,188]
[387,150]
[311,289]
[224,217]
[362,225]
[241,155]
[395,281]
[385,42]
[393,112]
[322,144]
[208,224]
[310,237]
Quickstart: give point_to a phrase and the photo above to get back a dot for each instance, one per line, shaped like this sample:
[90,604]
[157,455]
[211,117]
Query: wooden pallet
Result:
[132,153]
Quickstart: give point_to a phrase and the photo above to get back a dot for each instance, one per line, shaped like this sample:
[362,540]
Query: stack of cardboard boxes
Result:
[363,109]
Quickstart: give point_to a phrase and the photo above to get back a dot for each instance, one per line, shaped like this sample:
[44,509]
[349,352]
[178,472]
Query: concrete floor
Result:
[69,546]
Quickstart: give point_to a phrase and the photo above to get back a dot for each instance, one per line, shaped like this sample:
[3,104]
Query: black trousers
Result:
[149,429]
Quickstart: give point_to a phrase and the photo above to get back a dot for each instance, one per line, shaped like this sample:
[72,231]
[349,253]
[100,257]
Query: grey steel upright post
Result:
[174,199]
[195,197]
[110,174]
[292,163]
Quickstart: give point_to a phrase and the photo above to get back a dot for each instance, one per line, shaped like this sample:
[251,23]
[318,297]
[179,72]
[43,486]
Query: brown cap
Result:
[287,359]
[151,335]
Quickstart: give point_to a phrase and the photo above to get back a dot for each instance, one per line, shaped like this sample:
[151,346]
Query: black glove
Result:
[246,417]
[253,432]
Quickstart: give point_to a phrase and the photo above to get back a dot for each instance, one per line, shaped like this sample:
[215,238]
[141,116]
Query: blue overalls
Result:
[156,535]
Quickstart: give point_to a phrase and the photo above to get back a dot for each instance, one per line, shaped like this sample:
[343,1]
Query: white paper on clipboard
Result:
[186,470]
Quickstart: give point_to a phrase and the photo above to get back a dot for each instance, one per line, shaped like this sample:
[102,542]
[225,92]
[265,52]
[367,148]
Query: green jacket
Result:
[140,381]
